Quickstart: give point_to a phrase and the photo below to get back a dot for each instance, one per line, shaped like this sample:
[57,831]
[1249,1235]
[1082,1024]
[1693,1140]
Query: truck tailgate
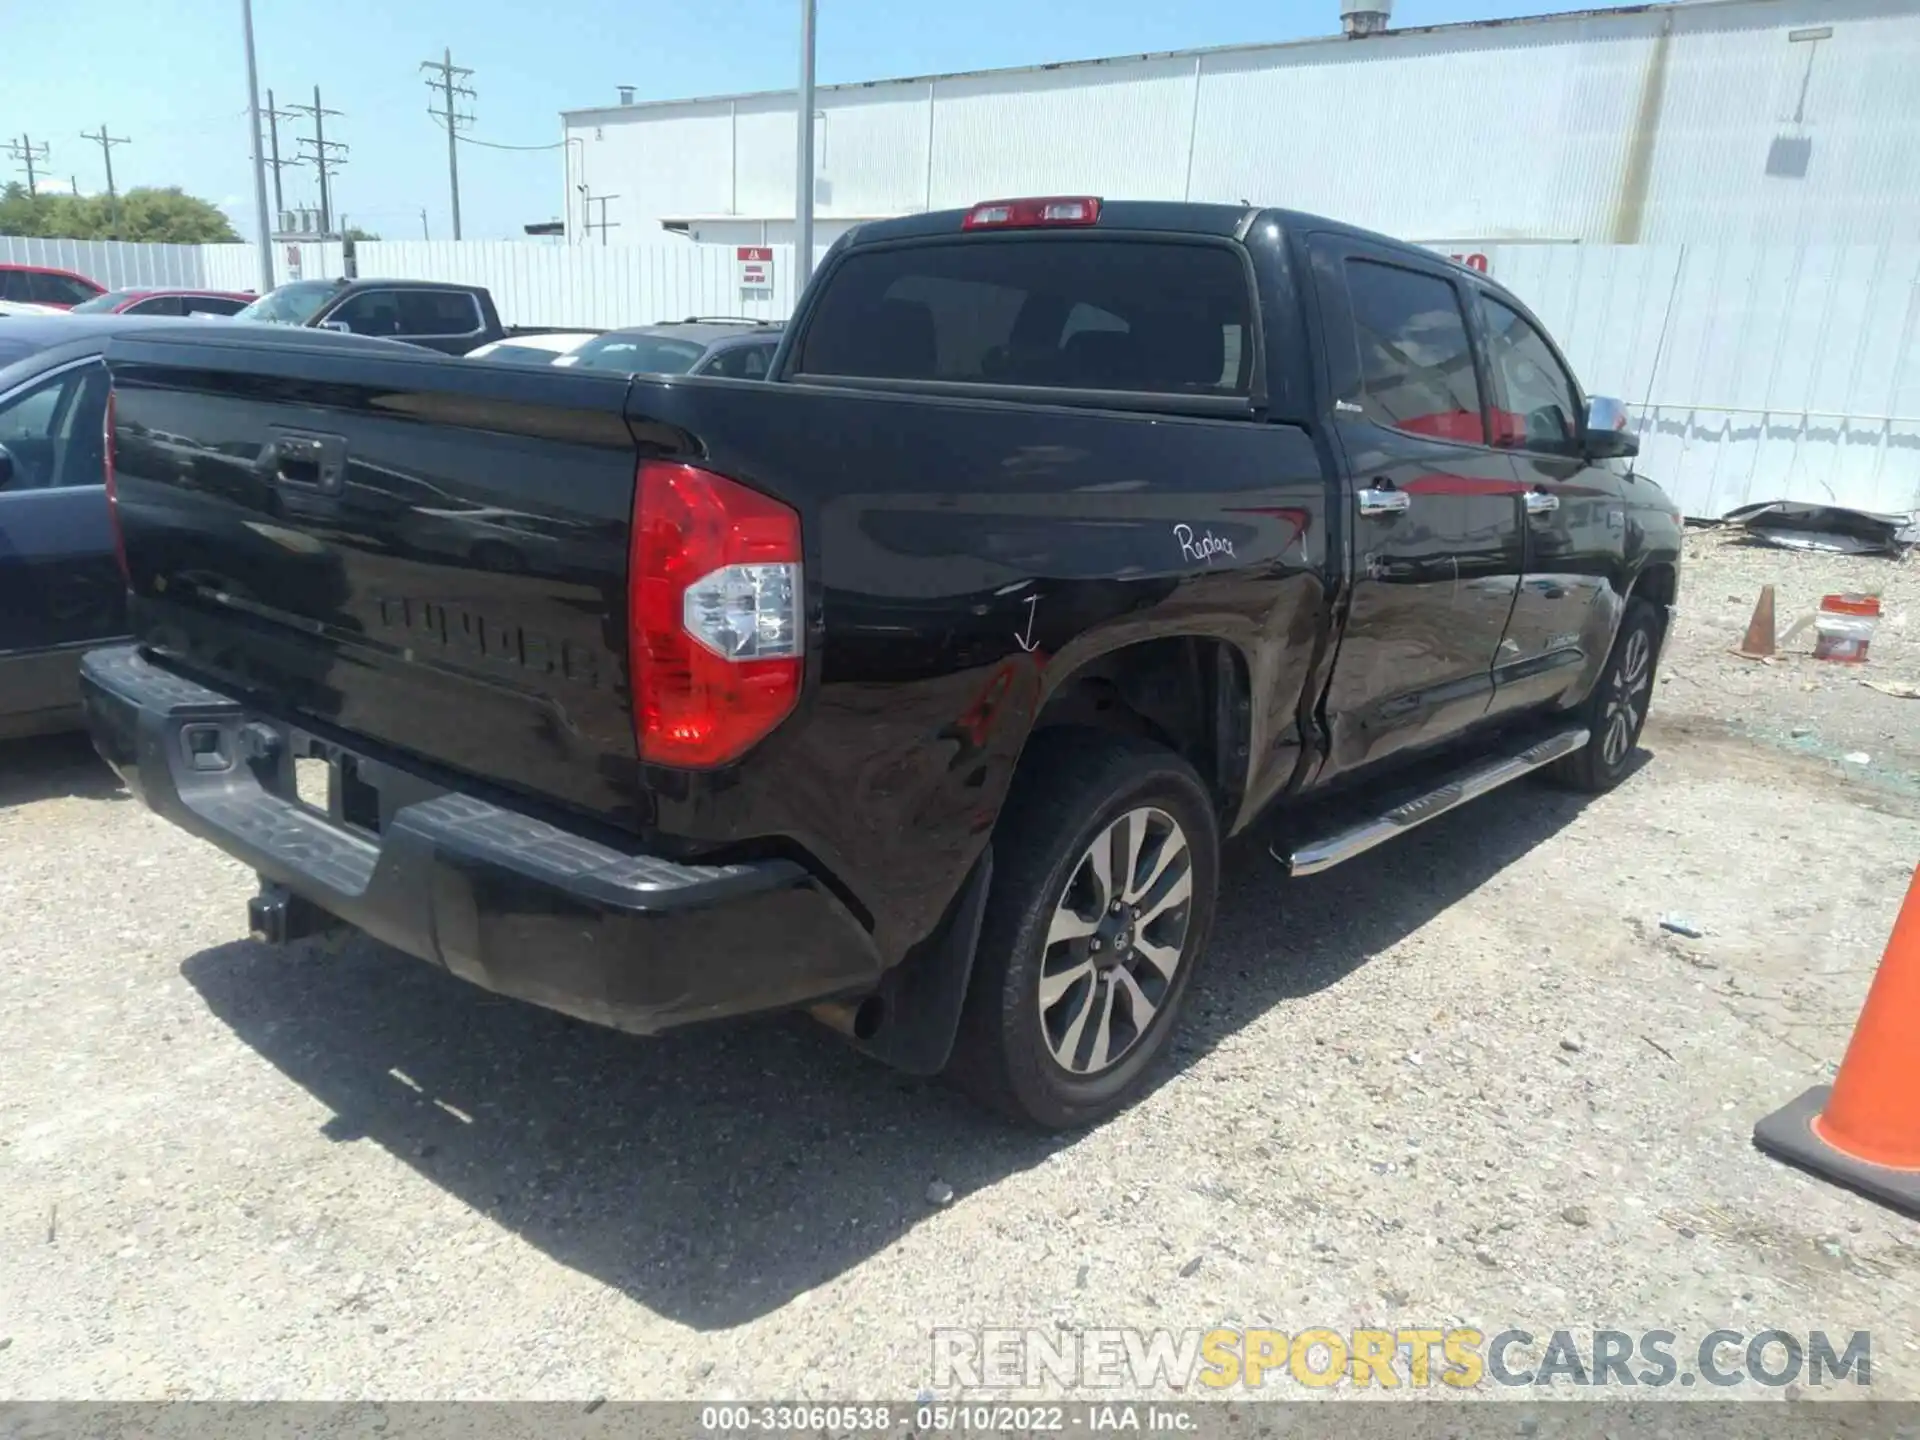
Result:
[417,552]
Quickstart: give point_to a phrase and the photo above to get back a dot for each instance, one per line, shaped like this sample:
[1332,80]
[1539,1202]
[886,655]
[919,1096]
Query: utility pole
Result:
[23,152]
[322,156]
[450,116]
[605,224]
[803,130]
[259,168]
[274,117]
[106,143]
[425,234]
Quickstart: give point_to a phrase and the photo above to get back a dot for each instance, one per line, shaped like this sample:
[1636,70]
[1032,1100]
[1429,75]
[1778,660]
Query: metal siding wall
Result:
[1423,135]
[1118,131]
[872,151]
[766,159]
[1782,373]
[1731,92]
[669,163]
[1518,130]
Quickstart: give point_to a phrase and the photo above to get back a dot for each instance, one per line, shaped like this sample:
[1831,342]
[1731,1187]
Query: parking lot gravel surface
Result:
[1466,1080]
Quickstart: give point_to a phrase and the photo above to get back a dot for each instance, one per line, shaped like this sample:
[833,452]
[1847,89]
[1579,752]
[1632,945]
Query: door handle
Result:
[307,460]
[1542,502]
[1384,500]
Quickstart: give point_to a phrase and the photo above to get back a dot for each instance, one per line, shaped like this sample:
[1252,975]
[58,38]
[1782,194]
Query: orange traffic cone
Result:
[1759,642]
[1863,1131]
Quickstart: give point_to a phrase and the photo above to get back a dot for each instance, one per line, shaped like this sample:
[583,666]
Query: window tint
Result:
[53,431]
[13,286]
[1540,412]
[291,304]
[59,289]
[1079,313]
[639,354]
[371,312]
[103,303]
[437,312]
[742,362]
[210,305]
[1416,366]
[158,305]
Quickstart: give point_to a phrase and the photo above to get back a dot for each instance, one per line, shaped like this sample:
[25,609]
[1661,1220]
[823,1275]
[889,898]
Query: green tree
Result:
[354,232]
[155,215]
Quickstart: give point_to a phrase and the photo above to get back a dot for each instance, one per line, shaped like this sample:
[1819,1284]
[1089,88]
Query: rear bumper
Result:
[509,902]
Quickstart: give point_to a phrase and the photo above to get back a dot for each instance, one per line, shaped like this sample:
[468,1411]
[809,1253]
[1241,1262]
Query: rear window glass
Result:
[639,354]
[1081,314]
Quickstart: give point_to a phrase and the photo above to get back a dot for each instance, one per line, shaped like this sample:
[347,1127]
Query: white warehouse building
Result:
[1749,121]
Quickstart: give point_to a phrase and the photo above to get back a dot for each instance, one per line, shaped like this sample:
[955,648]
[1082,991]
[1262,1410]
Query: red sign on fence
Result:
[755,264]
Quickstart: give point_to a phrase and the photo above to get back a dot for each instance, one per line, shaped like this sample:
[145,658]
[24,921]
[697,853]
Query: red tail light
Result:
[1024,214]
[715,623]
[113,494]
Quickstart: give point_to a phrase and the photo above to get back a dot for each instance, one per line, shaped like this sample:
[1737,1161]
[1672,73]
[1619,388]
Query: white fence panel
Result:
[592,286]
[112,263]
[1755,372]
[237,267]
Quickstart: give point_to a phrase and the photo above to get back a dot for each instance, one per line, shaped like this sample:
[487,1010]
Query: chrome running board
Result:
[1483,775]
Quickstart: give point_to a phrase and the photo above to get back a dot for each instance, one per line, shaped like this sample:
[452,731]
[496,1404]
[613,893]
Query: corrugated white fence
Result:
[594,286]
[122,266]
[110,263]
[1755,372]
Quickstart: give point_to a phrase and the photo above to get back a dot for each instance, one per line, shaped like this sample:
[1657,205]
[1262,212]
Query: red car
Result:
[39,285]
[165,302]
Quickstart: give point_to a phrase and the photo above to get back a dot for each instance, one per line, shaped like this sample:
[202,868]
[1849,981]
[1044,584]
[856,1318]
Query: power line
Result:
[322,156]
[106,143]
[24,153]
[451,117]
[496,145]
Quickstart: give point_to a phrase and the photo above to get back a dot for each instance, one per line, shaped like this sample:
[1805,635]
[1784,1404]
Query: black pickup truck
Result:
[432,314]
[917,688]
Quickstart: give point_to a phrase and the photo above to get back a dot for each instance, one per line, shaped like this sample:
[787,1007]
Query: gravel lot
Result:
[1464,1080]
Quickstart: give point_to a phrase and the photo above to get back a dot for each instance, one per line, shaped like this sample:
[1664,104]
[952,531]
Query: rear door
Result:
[447,320]
[1575,517]
[1436,524]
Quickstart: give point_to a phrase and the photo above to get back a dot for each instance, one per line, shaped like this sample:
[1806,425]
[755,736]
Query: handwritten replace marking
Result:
[1203,549]
[1027,642]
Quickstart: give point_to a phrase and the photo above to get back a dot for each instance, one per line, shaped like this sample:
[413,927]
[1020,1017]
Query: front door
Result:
[1436,523]
[60,583]
[1567,610]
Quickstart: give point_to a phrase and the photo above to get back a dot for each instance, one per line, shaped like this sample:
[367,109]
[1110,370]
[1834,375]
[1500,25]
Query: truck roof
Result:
[1174,216]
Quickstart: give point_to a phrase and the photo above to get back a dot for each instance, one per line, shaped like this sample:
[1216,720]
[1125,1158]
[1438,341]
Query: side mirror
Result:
[6,467]
[340,325]
[1606,436]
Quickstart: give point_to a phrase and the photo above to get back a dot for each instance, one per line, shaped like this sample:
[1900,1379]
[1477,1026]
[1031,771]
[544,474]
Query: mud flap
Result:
[924,993]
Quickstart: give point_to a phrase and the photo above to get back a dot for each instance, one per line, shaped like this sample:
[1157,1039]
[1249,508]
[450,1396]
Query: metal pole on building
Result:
[260,219]
[803,129]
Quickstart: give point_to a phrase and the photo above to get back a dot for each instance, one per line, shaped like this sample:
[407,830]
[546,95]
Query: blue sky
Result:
[170,74]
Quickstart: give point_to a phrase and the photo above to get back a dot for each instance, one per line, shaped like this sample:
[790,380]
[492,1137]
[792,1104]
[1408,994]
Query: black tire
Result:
[1074,786]
[1616,711]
